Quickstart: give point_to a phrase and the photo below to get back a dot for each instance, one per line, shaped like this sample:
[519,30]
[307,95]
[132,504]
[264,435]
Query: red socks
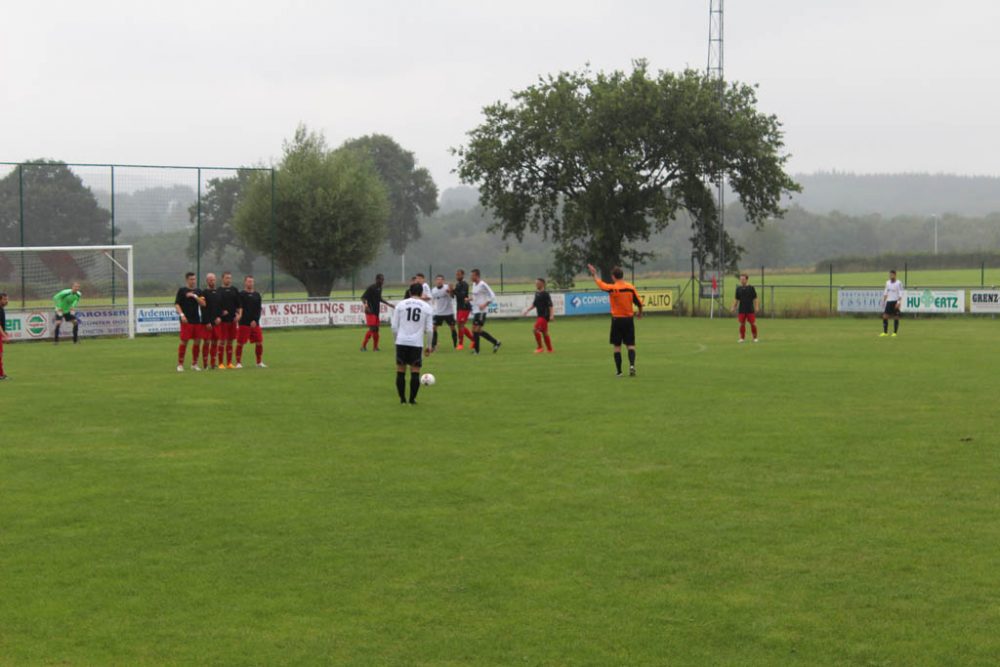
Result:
[548,343]
[260,352]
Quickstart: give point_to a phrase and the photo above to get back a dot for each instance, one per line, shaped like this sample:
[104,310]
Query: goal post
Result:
[31,275]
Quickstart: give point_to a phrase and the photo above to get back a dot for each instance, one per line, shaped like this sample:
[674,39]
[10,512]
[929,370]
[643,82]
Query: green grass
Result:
[823,497]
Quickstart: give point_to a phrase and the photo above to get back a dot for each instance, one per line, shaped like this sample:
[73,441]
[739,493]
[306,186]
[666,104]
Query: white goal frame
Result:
[128,268]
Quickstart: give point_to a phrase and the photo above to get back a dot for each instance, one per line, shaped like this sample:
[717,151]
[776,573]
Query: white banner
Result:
[39,323]
[934,301]
[859,300]
[984,301]
[316,314]
[162,319]
[28,324]
[111,321]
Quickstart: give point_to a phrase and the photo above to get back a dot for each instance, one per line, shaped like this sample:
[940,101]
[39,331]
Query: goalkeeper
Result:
[66,301]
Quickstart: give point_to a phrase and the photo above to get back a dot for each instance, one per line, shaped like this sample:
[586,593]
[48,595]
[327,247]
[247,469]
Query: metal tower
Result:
[715,71]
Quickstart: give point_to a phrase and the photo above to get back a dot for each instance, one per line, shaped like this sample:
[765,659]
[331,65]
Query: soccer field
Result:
[822,497]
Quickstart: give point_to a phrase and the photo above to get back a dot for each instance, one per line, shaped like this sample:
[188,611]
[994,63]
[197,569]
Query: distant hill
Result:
[898,194]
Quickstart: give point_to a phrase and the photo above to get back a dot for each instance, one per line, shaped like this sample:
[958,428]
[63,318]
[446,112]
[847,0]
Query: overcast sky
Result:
[860,86]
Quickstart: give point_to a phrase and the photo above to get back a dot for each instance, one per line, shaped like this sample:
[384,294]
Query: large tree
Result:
[599,162]
[330,212]
[218,207]
[58,208]
[411,190]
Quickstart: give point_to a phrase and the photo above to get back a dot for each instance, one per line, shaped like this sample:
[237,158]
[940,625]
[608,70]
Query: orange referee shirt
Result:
[622,295]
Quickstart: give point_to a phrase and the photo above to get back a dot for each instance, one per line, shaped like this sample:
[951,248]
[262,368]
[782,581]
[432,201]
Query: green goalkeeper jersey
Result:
[66,300]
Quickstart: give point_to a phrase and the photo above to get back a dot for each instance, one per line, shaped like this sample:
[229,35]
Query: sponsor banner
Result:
[28,324]
[586,303]
[111,321]
[160,319]
[934,301]
[657,301]
[316,314]
[859,300]
[984,301]
[511,305]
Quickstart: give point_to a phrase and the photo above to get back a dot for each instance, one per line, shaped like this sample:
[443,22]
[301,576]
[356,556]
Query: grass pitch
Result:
[823,497]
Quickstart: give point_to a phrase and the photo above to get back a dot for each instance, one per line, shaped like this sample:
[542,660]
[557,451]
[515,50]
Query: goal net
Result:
[32,276]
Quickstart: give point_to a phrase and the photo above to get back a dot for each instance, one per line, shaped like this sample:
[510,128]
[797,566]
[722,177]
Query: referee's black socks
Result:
[631,357]
[618,361]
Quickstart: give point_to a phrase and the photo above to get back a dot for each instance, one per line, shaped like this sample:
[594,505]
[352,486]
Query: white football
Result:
[427,379]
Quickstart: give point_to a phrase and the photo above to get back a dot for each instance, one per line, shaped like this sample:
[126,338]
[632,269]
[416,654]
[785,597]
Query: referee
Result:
[623,296]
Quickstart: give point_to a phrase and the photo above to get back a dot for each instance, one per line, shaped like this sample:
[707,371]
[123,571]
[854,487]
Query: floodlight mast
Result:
[715,71]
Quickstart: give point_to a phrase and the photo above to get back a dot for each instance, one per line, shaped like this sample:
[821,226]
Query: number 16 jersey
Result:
[411,319]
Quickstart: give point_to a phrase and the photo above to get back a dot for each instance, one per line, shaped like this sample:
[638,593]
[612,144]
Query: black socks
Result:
[631,357]
[401,385]
[414,386]
[618,362]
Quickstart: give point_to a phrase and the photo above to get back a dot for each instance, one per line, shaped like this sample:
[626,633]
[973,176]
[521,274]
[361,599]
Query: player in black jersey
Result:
[463,306]
[372,299]
[544,308]
[746,299]
[230,297]
[211,318]
[249,329]
[188,304]
[3,331]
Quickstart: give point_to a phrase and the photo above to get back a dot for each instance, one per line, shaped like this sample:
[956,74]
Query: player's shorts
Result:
[444,319]
[214,331]
[248,334]
[541,324]
[462,316]
[479,319]
[407,355]
[747,317]
[371,320]
[226,330]
[193,331]
[69,317]
[622,331]
[891,308]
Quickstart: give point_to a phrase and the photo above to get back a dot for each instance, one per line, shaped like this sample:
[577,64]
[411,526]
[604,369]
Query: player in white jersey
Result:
[412,320]
[482,297]
[425,289]
[892,299]
[444,310]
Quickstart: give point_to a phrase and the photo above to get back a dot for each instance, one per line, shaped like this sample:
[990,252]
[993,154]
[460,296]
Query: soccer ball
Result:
[427,379]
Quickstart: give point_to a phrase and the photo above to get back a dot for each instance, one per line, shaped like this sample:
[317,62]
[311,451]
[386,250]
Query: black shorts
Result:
[891,308]
[622,331]
[69,317]
[407,355]
[479,319]
[444,319]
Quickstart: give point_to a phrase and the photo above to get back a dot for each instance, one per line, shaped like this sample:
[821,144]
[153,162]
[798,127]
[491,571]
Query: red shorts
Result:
[191,331]
[541,324]
[462,316]
[747,317]
[371,320]
[250,334]
[225,331]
